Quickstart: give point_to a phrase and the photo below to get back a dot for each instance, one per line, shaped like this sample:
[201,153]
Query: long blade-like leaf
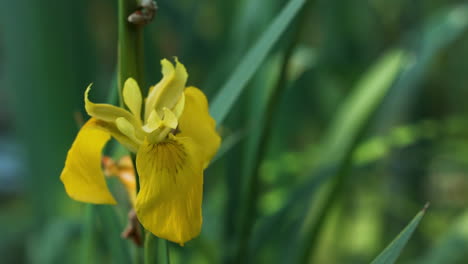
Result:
[367,96]
[452,246]
[231,90]
[342,138]
[393,251]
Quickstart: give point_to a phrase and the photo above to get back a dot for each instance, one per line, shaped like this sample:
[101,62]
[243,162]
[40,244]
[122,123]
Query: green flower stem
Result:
[130,47]
[130,51]
[250,202]
[130,60]
[130,64]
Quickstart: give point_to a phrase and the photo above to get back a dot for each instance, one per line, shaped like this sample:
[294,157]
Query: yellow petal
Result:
[132,97]
[170,119]
[197,124]
[153,122]
[107,112]
[127,129]
[179,107]
[171,189]
[168,73]
[168,91]
[82,175]
[112,129]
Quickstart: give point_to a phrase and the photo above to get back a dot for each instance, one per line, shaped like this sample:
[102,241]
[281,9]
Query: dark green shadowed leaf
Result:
[58,234]
[231,90]
[157,250]
[393,251]
[88,235]
[228,143]
[437,33]
[111,228]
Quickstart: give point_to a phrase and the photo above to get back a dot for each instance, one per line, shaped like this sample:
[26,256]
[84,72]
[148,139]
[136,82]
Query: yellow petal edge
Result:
[197,124]
[82,175]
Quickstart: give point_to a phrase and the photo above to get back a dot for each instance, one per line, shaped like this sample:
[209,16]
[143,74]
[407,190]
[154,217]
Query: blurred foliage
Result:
[339,174]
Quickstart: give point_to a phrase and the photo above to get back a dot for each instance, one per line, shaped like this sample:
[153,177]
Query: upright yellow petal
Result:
[132,97]
[82,175]
[197,124]
[168,74]
[170,119]
[171,189]
[179,107]
[168,91]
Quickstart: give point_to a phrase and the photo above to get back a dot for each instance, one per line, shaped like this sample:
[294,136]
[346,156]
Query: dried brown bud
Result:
[144,14]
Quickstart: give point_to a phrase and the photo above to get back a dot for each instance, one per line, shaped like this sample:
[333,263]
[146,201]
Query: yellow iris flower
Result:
[174,140]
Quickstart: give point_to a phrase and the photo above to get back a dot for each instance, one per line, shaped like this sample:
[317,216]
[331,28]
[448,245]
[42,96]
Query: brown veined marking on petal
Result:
[166,206]
[170,156]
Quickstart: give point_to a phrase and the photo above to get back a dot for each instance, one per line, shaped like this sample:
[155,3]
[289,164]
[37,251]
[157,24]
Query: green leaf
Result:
[156,250]
[232,89]
[342,138]
[358,108]
[57,234]
[345,129]
[88,235]
[111,227]
[451,247]
[393,251]
[228,143]
[440,31]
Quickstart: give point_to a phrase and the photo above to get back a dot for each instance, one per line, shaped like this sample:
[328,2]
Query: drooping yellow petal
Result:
[168,91]
[197,124]
[132,97]
[107,112]
[171,189]
[82,175]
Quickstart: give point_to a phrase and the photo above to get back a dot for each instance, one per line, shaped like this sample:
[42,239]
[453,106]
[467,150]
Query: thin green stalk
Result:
[130,47]
[130,59]
[250,201]
[130,51]
[130,64]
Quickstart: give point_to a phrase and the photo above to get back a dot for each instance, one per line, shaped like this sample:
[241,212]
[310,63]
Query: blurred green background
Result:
[383,164]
